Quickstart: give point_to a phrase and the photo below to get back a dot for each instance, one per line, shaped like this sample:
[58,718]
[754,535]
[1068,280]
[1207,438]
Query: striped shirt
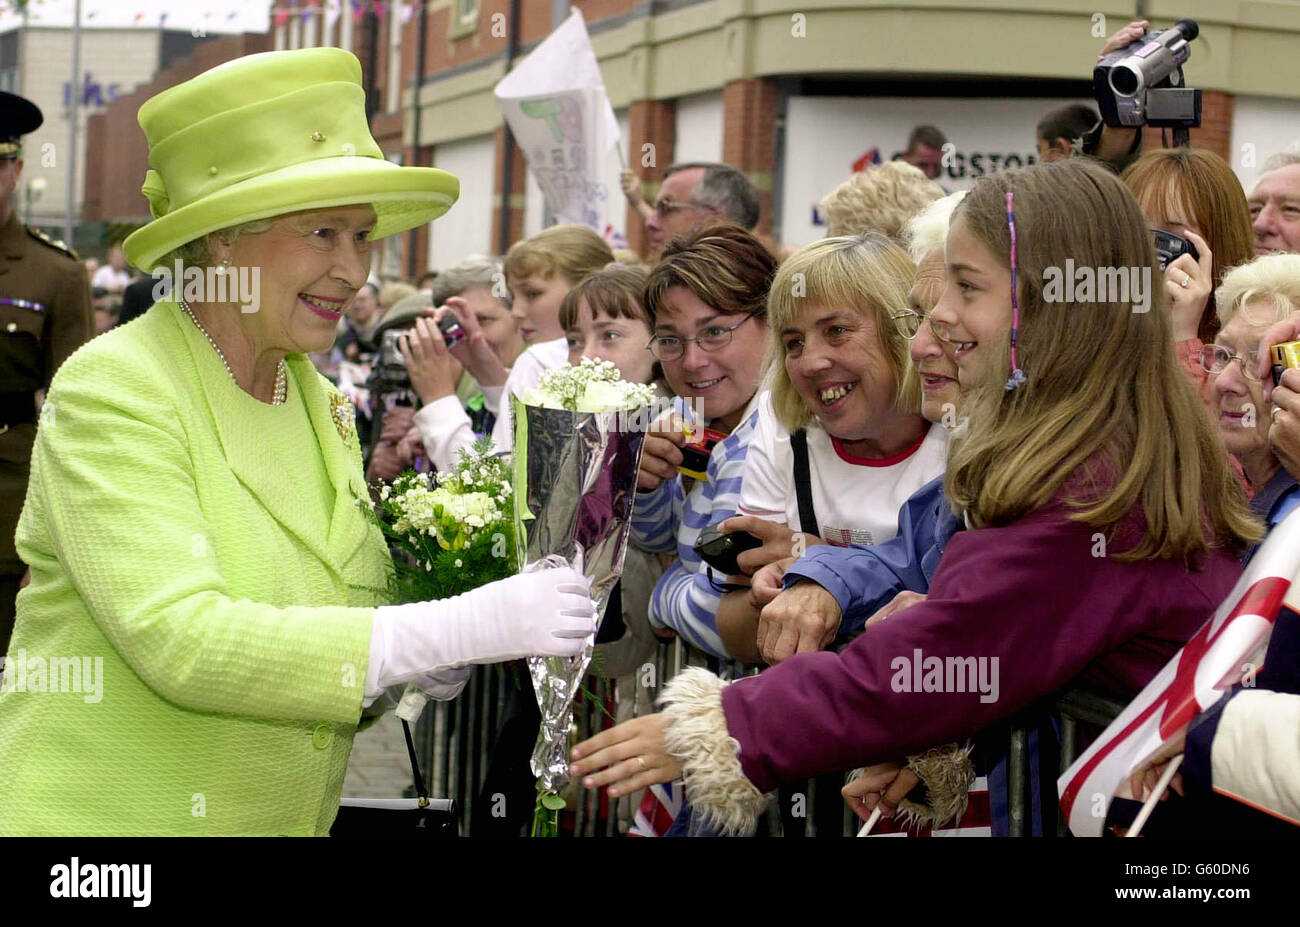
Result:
[684,599]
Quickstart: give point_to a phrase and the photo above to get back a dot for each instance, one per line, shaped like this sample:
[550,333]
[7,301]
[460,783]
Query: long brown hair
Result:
[1104,388]
[1200,185]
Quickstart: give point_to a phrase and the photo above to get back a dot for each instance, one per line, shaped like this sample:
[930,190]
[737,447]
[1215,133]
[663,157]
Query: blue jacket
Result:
[863,579]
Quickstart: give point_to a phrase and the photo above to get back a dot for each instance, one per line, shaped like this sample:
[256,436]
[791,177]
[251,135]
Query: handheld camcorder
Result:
[1142,84]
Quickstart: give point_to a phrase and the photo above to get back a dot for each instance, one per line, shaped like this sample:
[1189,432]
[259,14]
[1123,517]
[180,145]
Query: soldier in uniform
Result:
[44,316]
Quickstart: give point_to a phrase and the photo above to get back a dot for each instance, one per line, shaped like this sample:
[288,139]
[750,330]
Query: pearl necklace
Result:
[281,379]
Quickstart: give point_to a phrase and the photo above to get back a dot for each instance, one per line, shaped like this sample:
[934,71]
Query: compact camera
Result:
[1170,246]
[722,551]
[1285,355]
[390,367]
[695,453]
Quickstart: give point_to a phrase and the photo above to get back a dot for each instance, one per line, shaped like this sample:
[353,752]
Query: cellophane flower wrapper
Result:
[575,486]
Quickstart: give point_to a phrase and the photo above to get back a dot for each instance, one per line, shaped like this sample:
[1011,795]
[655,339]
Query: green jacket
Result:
[228,598]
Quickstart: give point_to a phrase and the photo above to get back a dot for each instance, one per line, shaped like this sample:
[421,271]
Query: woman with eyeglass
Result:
[706,300]
[1250,300]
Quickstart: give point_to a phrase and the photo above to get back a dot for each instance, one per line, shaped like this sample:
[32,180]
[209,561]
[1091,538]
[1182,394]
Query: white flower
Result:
[458,563]
[591,386]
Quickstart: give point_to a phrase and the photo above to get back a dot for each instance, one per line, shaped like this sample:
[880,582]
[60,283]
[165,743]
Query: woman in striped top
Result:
[707,300]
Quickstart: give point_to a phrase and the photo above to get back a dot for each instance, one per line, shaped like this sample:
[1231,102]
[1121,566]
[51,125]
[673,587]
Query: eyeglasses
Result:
[664,207]
[1215,358]
[910,322]
[713,338]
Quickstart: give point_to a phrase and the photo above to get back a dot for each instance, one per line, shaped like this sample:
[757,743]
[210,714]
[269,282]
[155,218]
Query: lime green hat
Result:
[266,135]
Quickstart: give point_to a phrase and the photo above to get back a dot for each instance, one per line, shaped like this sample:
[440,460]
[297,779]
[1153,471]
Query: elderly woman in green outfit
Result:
[194,522]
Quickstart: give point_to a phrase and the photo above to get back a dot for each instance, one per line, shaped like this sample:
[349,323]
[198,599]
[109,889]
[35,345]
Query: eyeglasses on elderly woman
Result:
[1215,358]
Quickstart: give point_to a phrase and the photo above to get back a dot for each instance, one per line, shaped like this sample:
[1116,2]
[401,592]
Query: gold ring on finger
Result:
[641,760]
[1186,280]
[1274,413]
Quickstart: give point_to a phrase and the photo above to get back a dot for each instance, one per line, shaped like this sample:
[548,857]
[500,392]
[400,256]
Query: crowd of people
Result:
[921,443]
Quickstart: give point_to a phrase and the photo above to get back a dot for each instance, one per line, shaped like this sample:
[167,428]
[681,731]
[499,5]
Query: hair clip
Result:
[1017,378]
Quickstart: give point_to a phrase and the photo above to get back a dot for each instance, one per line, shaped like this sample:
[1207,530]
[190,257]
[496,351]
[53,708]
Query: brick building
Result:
[792,93]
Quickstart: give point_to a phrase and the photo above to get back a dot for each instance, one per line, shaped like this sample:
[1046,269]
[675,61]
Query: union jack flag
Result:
[1226,651]
[660,806]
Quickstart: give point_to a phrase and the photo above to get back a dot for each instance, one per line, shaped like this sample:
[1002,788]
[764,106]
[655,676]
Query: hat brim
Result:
[403,198]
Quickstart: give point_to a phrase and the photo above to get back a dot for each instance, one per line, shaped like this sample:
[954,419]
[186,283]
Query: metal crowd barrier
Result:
[1073,707]
[454,742]
[454,739]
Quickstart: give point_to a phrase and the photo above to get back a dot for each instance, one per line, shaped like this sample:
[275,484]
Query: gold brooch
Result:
[344,416]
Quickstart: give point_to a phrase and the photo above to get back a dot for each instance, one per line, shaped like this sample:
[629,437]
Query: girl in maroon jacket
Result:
[1103,524]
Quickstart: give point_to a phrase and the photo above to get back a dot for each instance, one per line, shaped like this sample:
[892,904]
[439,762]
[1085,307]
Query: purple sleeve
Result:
[1014,613]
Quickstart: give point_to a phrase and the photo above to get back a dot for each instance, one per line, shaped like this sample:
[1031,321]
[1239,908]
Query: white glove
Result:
[547,613]
[444,685]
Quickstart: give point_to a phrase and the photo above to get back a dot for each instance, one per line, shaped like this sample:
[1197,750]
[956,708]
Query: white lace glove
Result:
[547,613]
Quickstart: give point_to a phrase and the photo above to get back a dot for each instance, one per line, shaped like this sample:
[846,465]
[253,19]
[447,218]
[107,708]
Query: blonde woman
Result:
[880,199]
[845,396]
[1081,431]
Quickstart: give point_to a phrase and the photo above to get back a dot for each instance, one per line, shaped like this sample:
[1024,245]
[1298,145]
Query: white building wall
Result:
[698,128]
[1261,127]
[466,228]
[116,60]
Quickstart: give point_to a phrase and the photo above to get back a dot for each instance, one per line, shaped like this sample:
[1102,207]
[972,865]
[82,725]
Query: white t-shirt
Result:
[856,500]
[444,426]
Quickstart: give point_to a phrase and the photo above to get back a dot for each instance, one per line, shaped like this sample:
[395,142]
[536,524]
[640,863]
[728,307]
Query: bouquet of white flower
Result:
[591,386]
[452,535]
[575,462]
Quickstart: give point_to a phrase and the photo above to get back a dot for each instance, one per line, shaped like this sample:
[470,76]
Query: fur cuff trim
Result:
[947,773]
[695,733]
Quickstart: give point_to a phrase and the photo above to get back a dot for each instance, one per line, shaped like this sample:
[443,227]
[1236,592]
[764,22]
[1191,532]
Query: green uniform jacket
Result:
[164,539]
[46,317]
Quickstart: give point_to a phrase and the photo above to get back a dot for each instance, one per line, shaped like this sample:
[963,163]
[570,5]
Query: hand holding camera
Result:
[756,542]
[1189,281]
[661,453]
[472,349]
[432,369]
[1279,368]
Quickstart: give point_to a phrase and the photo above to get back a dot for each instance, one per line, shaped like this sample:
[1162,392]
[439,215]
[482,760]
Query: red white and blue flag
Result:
[1226,651]
[660,806]
[975,821]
